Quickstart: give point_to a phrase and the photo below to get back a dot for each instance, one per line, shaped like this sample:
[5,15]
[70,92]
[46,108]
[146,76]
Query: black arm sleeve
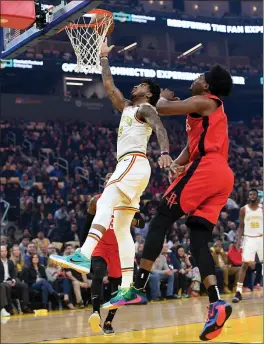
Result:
[140,220]
[87,225]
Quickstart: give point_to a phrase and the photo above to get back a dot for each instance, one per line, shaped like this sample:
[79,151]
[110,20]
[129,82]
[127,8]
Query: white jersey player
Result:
[131,176]
[251,228]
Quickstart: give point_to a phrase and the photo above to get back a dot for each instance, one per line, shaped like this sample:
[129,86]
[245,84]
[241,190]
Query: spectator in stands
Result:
[26,208]
[35,276]
[231,235]
[160,273]
[68,249]
[234,255]
[8,276]
[80,282]
[23,246]
[52,250]
[31,250]
[58,278]
[72,235]
[138,240]
[41,241]
[25,183]
[173,264]
[221,263]
[4,302]
[139,253]
[185,275]
[17,258]
[61,214]
[56,172]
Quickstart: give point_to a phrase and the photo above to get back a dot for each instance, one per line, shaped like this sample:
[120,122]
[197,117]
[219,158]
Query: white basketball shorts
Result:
[131,176]
[251,246]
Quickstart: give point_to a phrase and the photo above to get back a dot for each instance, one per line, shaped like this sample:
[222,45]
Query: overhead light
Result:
[216,8]
[77,79]
[195,6]
[254,8]
[151,1]
[74,83]
[161,3]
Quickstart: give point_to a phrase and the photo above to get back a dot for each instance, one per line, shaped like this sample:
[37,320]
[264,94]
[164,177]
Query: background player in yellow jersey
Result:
[251,228]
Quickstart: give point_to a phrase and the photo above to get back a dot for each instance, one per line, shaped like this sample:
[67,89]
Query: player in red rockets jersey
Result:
[105,262]
[203,184]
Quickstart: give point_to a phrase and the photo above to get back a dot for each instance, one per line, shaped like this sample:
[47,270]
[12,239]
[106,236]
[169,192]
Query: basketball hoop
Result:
[87,39]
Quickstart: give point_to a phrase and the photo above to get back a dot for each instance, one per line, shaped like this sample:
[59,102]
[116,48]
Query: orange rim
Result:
[94,11]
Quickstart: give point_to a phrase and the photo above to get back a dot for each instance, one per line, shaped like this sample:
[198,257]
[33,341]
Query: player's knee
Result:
[200,236]
[99,267]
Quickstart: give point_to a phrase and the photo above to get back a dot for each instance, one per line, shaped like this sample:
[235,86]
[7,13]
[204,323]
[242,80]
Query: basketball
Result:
[100,19]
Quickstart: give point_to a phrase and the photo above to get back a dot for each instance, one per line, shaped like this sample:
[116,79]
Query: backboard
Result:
[14,42]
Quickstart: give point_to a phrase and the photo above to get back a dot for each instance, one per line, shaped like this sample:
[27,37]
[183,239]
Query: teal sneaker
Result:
[76,261]
[126,296]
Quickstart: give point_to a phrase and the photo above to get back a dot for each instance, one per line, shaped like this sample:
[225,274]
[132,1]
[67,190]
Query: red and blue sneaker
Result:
[218,313]
[126,296]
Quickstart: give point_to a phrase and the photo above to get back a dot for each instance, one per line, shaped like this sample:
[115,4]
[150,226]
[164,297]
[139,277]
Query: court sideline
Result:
[167,322]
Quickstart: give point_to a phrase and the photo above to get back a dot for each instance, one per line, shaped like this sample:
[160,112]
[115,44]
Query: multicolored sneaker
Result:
[218,313]
[126,296]
[76,261]
[108,329]
[94,322]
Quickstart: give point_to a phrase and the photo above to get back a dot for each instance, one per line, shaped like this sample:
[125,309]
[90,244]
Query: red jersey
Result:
[108,237]
[208,134]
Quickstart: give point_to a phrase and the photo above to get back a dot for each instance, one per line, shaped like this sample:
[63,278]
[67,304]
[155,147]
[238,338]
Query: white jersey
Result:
[133,134]
[253,221]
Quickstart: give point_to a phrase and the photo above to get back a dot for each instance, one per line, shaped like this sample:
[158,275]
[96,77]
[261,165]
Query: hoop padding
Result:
[87,39]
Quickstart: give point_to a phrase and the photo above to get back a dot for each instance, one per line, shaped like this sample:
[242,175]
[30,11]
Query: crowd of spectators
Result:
[48,204]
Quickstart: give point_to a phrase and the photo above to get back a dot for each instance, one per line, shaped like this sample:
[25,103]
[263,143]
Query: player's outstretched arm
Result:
[150,116]
[167,106]
[113,92]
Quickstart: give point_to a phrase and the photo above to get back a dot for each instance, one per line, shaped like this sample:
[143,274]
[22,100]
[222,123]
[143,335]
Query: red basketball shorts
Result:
[109,251]
[202,190]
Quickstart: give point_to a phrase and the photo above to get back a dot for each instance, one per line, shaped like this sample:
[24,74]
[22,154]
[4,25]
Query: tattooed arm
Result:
[114,94]
[149,115]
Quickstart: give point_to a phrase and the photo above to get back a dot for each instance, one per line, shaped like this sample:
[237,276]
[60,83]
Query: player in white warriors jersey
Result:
[131,176]
[251,227]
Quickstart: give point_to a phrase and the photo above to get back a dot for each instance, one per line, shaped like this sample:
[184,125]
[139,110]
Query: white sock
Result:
[122,227]
[239,287]
[127,277]
[91,242]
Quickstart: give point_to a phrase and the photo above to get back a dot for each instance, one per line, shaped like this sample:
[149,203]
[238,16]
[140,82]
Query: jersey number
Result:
[254,225]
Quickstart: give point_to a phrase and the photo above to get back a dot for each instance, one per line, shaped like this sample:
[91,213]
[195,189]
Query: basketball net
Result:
[87,40]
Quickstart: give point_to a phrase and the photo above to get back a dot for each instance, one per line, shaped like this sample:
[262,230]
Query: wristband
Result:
[164,153]
[104,57]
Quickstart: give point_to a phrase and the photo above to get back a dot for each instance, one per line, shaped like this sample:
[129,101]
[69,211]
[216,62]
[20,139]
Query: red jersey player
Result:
[105,262]
[200,190]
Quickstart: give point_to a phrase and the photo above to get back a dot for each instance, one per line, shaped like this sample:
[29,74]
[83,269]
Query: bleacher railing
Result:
[11,138]
[27,145]
[63,164]
[45,154]
[5,213]
[83,172]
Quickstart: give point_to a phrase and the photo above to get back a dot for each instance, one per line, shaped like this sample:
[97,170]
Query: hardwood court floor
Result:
[165,322]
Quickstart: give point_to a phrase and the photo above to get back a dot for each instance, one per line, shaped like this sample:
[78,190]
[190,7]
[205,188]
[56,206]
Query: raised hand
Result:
[168,94]
[105,49]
